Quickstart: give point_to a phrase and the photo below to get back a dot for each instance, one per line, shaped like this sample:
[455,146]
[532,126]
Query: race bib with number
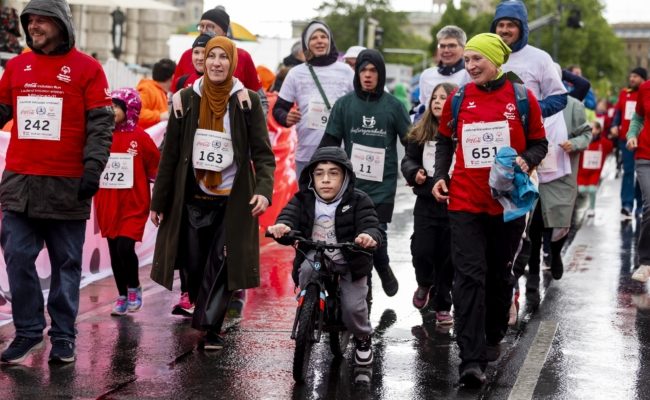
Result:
[482,141]
[591,159]
[212,150]
[39,117]
[317,115]
[549,163]
[118,173]
[429,157]
[630,107]
[368,162]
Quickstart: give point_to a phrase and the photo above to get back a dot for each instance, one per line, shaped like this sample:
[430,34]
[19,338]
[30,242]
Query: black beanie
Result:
[202,39]
[642,72]
[219,17]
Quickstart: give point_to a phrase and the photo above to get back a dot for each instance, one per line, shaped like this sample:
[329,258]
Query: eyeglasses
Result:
[206,27]
[450,46]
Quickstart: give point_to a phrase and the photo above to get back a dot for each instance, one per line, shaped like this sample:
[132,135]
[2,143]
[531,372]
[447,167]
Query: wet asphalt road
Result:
[589,339]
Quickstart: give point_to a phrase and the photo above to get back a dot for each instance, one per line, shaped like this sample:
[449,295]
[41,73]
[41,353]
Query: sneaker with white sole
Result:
[63,351]
[120,307]
[184,306]
[642,274]
[134,299]
[20,348]
[363,351]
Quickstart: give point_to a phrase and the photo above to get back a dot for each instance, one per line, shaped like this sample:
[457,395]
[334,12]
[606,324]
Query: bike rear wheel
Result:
[305,333]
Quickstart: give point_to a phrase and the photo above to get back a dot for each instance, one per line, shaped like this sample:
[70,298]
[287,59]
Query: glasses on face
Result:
[450,46]
[206,28]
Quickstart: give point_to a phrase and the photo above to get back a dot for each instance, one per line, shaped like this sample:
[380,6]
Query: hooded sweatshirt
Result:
[369,123]
[123,211]
[538,72]
[534,66]
[64,118]
[354,212]
[299,87]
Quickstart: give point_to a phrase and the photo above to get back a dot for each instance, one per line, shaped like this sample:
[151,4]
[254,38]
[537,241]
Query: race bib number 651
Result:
[481,142]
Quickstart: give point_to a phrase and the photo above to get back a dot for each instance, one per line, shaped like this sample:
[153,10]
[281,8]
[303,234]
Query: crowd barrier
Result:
[96,259]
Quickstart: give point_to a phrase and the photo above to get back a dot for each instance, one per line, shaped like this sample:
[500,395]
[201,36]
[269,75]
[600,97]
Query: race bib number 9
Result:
[481,142]
[368,162]
[212,150]
[118,173]
[39,117]
[318,115]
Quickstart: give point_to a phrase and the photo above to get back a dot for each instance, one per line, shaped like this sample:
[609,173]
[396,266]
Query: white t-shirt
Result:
[430,78]
[299,87]
[536,68]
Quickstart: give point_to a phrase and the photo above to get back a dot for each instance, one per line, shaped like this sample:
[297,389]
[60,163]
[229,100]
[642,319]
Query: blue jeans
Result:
[629,187]
[643,247]
[22,239]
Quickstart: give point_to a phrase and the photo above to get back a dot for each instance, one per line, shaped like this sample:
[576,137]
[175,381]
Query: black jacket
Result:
[355,213]
[426,205]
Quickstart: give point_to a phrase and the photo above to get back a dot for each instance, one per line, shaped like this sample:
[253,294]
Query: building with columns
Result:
[145,30]
[636,37]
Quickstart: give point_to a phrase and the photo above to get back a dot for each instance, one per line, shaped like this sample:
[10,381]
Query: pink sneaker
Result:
[444,318]
[421,297]
[184,307]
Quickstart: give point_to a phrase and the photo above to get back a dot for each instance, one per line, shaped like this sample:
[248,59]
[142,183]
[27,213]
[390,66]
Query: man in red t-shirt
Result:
[59,100]
[217,21]
[625,106]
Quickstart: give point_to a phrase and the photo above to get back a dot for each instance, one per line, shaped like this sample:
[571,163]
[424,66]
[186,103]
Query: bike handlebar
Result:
[296,236]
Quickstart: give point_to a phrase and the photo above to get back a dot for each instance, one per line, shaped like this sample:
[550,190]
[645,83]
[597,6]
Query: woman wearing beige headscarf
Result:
[215,178]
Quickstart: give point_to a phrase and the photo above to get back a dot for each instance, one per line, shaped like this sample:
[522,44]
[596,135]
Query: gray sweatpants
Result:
[353,298]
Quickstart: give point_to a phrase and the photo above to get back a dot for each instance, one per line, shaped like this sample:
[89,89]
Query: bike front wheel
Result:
[339,342]
[305,333]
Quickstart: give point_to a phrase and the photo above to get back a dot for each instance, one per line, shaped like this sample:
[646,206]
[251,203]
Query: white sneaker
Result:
[642,274]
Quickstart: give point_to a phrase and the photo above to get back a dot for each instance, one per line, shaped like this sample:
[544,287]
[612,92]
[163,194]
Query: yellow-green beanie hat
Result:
[491,46]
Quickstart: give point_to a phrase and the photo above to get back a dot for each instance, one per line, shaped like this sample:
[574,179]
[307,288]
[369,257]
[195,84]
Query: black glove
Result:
[89,184]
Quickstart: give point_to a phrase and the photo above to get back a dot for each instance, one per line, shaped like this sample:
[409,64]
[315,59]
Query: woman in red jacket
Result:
[483,246]
[122,203]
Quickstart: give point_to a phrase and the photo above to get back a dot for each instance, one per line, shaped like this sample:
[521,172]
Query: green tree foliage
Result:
[343,18]
[594,47]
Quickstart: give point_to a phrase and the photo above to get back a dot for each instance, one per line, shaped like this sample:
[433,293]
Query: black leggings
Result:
[124,262]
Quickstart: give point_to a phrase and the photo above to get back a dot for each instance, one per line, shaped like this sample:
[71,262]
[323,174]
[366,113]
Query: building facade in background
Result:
[636,36]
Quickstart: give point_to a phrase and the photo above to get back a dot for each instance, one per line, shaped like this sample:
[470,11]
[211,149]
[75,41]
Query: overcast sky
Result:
[272,18]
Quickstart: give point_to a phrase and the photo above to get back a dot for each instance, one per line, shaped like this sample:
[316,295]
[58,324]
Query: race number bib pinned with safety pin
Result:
[591,159]
[368,162]
[482,141]
[317,115]
[39,117]
[118,173]
[212,150]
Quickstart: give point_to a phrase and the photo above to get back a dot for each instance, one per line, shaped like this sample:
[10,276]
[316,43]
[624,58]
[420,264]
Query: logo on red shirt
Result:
[64,76]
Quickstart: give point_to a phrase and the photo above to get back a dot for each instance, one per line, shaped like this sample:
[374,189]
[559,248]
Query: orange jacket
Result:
[154,102]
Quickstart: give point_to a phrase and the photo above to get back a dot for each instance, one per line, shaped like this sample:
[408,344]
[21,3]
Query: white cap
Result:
[353,51]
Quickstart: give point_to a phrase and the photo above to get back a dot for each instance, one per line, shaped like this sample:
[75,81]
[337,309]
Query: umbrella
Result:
[238,32]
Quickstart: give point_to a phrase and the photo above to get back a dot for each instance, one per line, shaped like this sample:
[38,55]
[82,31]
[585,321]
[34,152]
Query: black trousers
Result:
[124,263]
[206,265]
[483,250]
[431,256]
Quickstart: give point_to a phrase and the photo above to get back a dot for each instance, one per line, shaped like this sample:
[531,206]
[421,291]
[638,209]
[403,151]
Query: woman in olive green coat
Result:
[227,201]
